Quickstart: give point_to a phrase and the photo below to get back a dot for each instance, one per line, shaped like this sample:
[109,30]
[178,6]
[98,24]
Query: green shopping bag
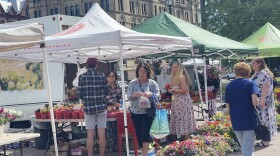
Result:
[160,125]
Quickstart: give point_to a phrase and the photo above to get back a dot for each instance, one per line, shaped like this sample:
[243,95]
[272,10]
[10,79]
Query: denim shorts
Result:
[97,119]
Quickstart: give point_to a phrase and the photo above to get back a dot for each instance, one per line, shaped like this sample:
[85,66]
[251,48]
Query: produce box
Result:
[78,151]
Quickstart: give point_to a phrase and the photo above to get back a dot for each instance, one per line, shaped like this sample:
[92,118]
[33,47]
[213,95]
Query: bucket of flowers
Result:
[8,115]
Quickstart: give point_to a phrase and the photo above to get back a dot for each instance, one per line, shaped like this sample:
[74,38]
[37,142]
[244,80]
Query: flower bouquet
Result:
[8,115]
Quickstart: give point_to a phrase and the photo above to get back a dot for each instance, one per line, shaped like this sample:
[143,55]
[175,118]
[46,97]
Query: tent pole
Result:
[50,101]
[78,71]
[198,84]
[124,102]
[205,89]
[64,85]
[221,85]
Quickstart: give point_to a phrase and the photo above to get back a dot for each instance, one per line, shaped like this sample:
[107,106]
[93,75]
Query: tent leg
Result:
[205,89]
[221,85]
[198,84]
[50,101]
[124,102]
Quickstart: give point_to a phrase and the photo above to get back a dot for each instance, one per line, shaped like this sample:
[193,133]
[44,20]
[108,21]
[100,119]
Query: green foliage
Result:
[278,121]
[238,19]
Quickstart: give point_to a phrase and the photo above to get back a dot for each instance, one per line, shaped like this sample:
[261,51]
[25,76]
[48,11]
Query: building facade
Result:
[13,10]
[127,12]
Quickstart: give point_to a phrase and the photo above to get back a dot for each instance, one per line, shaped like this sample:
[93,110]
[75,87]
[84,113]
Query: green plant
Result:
[278,121]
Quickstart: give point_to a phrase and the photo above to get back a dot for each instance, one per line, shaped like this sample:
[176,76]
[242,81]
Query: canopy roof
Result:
[267,39]
[98,35]
[198,62]
[20,36]
[207,42]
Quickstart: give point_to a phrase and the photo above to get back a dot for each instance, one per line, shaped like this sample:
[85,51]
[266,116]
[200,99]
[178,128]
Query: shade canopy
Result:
[98,35]
[267,39]
[199,62]
[20,36]
[207,43]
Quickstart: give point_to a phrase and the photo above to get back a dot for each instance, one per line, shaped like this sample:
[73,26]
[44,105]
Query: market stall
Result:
[205,43]
[98,35]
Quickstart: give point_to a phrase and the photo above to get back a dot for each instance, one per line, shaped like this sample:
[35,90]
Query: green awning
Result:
[207,42]
[267,39]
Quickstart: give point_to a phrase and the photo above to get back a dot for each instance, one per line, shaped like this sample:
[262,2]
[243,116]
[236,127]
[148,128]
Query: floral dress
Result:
[182,120]
[113,95]
[267,114]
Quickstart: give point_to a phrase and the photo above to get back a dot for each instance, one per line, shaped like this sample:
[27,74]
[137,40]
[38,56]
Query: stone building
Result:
[127,12]
[13,10]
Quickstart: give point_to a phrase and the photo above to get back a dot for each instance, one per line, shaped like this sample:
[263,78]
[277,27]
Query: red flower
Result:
[167,86]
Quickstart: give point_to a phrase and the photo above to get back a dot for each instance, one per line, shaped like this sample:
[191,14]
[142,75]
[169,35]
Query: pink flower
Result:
[1,110]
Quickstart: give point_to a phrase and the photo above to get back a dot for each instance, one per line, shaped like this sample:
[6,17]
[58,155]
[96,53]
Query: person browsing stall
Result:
[241,97]
[140,88]
[263,77]
[182,121]
[91,89]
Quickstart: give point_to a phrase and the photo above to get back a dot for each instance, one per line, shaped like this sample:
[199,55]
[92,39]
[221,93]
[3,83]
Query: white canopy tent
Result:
[98,35]
[20,36]
[199,62]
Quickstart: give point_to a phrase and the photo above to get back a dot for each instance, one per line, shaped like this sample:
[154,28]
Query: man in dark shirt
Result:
[91,89]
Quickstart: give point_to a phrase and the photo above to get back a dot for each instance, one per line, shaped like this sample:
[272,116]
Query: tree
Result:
[238,19]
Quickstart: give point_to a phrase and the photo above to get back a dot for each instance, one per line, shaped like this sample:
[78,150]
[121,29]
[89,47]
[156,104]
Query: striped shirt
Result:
[92,90]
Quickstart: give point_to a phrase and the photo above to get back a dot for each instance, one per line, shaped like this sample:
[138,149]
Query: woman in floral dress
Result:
[263,77]
[182,120]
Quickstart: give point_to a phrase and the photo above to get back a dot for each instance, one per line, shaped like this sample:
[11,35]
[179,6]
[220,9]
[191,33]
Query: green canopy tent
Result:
[207,43]
[267,39]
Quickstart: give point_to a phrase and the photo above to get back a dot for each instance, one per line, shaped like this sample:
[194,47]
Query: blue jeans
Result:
[246,140]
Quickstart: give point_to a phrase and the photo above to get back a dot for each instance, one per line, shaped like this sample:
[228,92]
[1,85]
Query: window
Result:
[86,7]
[90,4]
[77,10]
[105,5]
[27,13]
[71,10]
[35,13]
[131,7]
[144,13]
[56,10]
[66,10]
[52,11]
[178,13]
[120,5]
[155,7]
[39,12]
[142,9]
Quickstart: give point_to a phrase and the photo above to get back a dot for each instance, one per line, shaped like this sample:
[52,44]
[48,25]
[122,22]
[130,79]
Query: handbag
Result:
[151,112]
[160,125]
[261,130]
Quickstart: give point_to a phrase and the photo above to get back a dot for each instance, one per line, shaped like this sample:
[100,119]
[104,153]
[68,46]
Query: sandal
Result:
[261,144]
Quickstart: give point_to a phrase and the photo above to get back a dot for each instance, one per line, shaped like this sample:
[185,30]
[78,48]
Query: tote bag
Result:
[160,125]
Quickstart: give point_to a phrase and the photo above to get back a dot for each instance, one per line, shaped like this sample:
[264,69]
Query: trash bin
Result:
[44,128]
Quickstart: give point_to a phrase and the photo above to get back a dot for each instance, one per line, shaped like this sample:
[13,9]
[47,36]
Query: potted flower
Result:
[8,115]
